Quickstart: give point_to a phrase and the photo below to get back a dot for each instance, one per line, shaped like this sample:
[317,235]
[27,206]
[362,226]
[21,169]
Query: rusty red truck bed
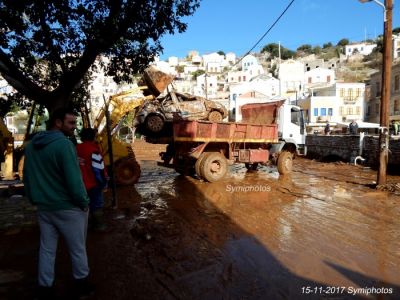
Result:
[203,131]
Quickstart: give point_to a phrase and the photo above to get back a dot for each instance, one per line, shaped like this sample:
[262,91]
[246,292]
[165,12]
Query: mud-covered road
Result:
[320,233]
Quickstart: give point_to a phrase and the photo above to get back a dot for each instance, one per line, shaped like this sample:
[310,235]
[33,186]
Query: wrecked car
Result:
[177,106]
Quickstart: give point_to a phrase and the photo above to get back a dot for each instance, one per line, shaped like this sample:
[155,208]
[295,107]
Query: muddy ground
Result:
[320,233]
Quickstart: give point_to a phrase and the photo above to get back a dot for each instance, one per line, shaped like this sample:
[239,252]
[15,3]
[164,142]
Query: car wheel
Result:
[215,116]
[154,123]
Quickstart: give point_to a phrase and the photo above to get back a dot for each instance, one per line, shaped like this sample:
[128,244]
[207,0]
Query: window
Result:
[295,117]
[341,111]
[244,78]
[328,78]
[330,112]
[309,80]
[358,92]
[396,83]
[349,111]
[378,89]
[376,108]
[341,92]
[350,93]
[315,112]
[396,105]
[323,111]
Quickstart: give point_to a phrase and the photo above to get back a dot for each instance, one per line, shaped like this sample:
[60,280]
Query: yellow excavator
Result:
[126,168]
[6,151]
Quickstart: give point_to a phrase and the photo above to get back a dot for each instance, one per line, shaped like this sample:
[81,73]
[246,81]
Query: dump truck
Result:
[207,148]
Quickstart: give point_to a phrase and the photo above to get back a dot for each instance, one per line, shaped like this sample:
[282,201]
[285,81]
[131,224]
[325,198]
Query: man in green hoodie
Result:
[53,183]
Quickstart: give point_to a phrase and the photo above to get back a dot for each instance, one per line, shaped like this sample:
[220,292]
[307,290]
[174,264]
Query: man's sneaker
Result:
[84,288]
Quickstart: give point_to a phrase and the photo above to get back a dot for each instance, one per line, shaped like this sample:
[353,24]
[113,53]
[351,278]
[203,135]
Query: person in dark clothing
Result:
[53,183]
[353,127]
[327,129]
[94,175]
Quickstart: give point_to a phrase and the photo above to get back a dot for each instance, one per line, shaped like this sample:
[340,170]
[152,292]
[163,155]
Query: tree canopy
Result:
[273,50]
[47,47]
[343,42]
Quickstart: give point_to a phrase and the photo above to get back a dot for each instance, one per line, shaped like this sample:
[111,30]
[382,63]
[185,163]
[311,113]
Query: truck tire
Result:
[213,167]
[215,116]
[154,123]
[285,162]
[127,171]
[197,165]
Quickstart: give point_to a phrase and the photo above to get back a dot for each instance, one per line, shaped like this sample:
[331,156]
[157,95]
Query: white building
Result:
[361,48]
[206,86]
[230,57]
[248,61]
[184,86]
[396,47]
[264,85]
[213,58]
[291,76]
[341,102]
[173,61]
[319,77]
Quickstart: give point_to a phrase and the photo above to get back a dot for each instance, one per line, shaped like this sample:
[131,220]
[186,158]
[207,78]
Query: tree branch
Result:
[19,81]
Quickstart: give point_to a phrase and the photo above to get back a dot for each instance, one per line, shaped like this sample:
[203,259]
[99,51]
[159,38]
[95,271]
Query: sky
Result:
[237,25]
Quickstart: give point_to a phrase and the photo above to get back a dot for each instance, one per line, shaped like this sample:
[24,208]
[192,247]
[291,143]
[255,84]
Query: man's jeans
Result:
[96,199]
[72,225]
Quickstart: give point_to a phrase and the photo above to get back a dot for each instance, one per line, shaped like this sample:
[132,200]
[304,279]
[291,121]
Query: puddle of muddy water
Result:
[320,225]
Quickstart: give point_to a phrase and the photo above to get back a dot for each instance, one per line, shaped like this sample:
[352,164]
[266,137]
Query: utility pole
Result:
[385,93]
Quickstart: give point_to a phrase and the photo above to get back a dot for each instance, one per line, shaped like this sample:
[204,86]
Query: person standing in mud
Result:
[94,176]
[327,129]
[53,183]
[353,127]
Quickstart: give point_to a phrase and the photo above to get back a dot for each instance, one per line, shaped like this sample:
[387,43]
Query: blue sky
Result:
[236,25]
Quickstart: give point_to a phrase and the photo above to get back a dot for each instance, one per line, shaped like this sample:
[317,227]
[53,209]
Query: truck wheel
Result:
[127,171]
[197,165]
[215,116]
[251,166]
[154,123]
[285,162]
[213,167]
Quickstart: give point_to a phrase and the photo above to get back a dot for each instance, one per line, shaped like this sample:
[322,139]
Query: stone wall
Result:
[371,150]
[344,147]
[347,147]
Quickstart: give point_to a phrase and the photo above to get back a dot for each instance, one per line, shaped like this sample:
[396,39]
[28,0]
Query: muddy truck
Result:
[208,148]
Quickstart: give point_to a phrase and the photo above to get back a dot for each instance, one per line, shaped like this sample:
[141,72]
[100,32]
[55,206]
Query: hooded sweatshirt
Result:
[52,177]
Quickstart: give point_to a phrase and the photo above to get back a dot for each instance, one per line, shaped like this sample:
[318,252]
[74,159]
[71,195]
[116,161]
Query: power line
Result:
[263,36]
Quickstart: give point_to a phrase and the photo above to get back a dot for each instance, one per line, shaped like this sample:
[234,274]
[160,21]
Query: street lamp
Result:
[385,92]
[380,4]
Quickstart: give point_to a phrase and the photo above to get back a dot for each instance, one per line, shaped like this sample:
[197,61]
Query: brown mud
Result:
[254,235]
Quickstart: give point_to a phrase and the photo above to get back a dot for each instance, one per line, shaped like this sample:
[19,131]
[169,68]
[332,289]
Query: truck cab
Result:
[291,129]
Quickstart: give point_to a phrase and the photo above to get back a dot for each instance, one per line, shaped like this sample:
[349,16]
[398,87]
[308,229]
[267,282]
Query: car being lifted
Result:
[177,106]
